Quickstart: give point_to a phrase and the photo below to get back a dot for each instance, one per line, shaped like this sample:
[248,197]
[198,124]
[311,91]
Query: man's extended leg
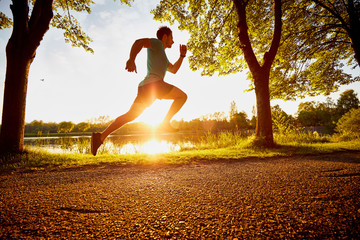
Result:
[179,98]
[135,111]
[98,138]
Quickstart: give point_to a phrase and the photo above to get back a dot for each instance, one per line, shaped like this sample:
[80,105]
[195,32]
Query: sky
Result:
[69,84]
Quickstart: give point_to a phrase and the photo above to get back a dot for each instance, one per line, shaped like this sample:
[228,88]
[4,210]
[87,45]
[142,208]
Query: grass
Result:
[210,147]
[58,134]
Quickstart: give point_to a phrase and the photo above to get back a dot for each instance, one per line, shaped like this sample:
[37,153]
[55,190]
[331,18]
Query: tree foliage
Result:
[316,114]
[83,126]
[327,113]
[5,22]
[65,127]
[346,27]
[313,50]
[214,33]
[349,124]
[347,101]
[315,47]
[282,122]
[238,120]
[64,18]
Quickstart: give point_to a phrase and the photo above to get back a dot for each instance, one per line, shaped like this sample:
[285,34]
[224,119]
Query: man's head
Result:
[165,35]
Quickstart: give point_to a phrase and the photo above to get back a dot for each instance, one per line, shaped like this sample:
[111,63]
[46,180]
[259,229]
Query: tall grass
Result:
[224,145]
[221,140]
[235,140]
[301,138]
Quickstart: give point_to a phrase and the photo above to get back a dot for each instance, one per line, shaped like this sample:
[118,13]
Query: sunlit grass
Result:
[210,147]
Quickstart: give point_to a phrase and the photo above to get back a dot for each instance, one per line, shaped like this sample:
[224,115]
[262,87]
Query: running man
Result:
[153,86]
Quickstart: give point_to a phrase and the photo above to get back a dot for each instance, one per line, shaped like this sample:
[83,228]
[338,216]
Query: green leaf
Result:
[5,22]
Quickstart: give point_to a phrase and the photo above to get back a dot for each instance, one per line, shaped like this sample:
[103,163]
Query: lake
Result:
[120,144]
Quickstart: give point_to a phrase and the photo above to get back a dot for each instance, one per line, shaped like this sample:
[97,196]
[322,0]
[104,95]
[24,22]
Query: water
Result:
[124,144]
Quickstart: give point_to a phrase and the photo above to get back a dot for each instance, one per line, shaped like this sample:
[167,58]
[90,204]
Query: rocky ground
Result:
[308,197]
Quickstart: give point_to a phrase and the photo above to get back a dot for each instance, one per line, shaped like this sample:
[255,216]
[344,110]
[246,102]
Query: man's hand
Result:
[183,50]
[130,66]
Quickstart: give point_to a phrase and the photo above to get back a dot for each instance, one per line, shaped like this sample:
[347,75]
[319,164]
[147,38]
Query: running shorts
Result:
[148,93]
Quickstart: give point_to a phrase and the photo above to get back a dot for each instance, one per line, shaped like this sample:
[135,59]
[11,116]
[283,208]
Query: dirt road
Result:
[294,198]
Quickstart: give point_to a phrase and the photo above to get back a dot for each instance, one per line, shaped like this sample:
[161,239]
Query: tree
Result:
[349,124]
[282,122]
[241,121]
[306,114]
[83,126]
[233,110]
[35,126]
[65,127]
[316,114]
[347,101]
[28,31]
[238,120]
[221,32]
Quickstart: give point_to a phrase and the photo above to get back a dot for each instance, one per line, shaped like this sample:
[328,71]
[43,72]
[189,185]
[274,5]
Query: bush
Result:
[349,124]
[301,137]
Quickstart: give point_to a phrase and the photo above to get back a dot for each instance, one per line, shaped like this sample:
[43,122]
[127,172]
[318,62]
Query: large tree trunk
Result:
[260,73]
[20,52]
[13,116]
[354,31]
[264,131]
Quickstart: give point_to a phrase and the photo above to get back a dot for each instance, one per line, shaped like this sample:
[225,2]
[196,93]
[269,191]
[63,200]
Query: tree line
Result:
[322,115]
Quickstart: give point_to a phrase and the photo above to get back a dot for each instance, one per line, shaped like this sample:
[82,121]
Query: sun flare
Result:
[155,114]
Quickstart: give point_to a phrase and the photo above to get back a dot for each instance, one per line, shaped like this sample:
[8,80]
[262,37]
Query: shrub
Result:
[349,124]
[301,137]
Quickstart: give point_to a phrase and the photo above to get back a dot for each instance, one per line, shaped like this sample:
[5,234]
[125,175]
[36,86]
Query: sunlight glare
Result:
[155,114]
[152,146]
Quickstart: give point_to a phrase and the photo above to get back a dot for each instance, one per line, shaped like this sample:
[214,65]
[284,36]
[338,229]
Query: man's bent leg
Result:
[179,98]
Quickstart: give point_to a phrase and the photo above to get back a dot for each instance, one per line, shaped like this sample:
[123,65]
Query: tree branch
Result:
[222,25]
[333,12]
[20,11]
[39,22]
[270,55]
[244,39]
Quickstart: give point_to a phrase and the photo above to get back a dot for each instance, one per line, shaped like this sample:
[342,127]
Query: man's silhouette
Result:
[153,86]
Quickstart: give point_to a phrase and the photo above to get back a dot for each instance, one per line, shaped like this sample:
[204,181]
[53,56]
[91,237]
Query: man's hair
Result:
[163,31]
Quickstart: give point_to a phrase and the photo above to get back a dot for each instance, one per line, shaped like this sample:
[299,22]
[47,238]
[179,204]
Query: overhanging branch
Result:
[39,22]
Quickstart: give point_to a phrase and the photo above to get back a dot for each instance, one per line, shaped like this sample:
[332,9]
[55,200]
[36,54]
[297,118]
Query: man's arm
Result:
[135,49]
[173,68]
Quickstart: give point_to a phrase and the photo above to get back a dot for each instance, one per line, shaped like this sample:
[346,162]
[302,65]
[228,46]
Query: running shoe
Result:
[95,142]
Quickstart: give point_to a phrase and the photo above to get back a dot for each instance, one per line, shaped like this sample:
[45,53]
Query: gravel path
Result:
[314,197]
